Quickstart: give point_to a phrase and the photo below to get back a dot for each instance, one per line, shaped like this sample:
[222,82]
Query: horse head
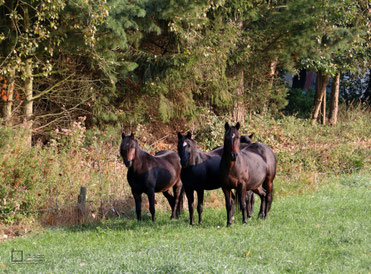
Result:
[128,148]
[186,149]
[246,139]
[231,140]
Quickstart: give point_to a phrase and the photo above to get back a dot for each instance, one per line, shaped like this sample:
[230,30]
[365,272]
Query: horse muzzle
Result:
[128,163]
[234,156]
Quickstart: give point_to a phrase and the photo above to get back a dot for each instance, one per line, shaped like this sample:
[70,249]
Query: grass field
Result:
[327,230]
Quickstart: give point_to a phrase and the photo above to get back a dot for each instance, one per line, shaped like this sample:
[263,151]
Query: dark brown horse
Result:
[149,174]
[251,168]
[270,159]
[200,171]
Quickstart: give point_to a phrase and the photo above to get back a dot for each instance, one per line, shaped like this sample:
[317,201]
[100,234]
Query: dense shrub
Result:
[300,102]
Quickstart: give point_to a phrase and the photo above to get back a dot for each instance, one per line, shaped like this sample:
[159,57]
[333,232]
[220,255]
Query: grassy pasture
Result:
[324,230]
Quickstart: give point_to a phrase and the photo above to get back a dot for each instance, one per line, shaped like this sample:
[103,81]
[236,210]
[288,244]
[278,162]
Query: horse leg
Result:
[171,200]
[190,199]
[151,201]
[233,199]
[181,200]
[177,188]
[250,200]
[138,205]
[242,197]
[228,205]
[261,192]
[269,197]
[200,204]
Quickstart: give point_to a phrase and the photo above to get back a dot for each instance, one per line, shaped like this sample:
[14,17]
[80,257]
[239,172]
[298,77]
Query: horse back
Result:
[167,159]
[256,167]
[266,153]
[160,172]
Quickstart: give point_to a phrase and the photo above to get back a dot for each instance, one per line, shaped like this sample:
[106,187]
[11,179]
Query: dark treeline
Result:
[147,60]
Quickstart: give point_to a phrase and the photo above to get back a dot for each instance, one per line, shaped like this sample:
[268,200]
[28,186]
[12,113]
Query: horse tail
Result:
[181,199]
[179,209]
[236,201]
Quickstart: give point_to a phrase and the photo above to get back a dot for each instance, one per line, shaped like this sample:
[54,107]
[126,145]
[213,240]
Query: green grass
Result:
[327,230]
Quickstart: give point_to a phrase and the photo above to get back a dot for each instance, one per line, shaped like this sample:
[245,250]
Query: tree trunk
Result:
[7,110]
[317,97]
[334,101]
[28,107]
[322,81]
[28,89]
[238,112]
[323,108]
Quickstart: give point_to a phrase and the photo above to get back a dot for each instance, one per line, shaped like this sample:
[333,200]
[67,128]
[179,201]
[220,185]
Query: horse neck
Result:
[226,160]
[140,155]
[199,156]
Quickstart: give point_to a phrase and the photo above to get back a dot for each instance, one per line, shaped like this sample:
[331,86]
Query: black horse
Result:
[149,174]
[251,168]
[200,172]
[246,139]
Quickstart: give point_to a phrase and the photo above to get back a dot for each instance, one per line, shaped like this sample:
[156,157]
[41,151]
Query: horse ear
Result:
[226,126]
[251,135]
[132,135]
[122,131]
[189,135]
[237,126]
[179,135]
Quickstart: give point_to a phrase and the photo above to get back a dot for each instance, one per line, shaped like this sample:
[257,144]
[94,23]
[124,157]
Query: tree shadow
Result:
[129,223]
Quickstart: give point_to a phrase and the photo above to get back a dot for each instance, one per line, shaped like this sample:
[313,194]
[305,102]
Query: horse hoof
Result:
[200,223]
[228,224]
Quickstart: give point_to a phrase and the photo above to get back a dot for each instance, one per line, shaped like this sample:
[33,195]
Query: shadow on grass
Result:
[130,223]
[211,219]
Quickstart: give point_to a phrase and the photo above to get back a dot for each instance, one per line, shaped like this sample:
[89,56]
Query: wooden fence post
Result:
[81,211]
